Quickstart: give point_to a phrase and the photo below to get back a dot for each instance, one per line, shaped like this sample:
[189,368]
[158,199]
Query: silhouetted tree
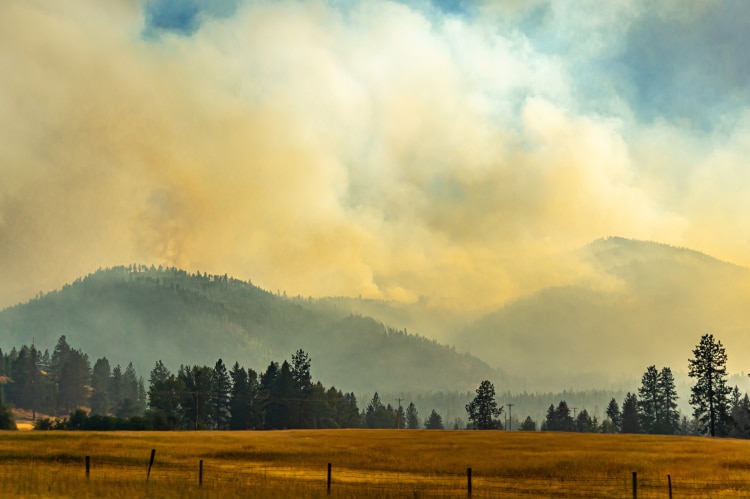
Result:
[221,385]
[129,404]
[740,412]
[649,401]
[669,420]
[347,414]
[196,397]
[483,409]
[6,416]
[244,402]
[165,392]
[630,418]
[434,422]
[709,395]
[100,385]
[584,423]
[378,415]
[303,385]
[613,413]
[28,388]
[412,417]
[528,424]
[75,374]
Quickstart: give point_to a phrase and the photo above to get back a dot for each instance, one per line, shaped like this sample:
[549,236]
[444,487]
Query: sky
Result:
[445,151]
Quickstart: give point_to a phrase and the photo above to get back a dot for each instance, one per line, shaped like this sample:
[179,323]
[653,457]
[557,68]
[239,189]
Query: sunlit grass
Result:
[369,463]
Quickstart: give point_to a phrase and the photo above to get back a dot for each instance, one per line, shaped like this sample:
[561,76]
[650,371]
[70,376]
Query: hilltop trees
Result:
[709,395]
[483,410]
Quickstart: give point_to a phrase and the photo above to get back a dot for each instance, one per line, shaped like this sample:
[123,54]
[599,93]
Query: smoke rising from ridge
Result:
[381,150]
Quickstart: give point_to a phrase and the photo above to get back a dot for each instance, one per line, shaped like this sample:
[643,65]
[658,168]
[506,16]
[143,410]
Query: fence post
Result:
[88,466]
[468,478]
[635,485]
[669,483]
[200,473]
[150,463]
[329,478]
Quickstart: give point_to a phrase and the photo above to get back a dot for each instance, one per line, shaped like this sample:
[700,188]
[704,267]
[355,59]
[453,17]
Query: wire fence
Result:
[234,479]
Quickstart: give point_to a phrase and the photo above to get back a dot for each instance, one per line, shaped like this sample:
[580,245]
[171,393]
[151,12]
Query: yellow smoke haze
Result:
[371,153]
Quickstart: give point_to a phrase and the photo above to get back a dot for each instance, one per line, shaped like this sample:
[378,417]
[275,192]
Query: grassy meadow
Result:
[369,463]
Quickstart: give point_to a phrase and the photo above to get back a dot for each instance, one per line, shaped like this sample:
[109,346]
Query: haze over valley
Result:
[420,193]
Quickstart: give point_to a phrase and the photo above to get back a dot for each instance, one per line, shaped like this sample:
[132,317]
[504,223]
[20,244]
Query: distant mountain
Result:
[649,304]
[142,315]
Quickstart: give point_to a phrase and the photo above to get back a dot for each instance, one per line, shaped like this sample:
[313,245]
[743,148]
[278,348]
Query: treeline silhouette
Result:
[284,396]
[718,410]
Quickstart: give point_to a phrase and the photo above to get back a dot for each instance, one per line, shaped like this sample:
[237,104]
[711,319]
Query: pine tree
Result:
[302,389]
[240,400]
[6,416]
[669,421]
[28,384]
[630,418]
[483,409]
[196,397]
[75,375]
[412,417]
[165,392]
[740,414]
[528,424]
[563,418]
[584,423]
[614,415]
[434,422]
[221,385]
[649,401]
[709,395]
[100,386]
[128,405]
[376,414]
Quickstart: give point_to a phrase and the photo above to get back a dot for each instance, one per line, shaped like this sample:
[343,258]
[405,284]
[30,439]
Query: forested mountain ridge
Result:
[144,314]
[642,303]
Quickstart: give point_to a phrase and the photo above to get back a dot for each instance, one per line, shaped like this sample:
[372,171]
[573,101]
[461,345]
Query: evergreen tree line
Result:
[194,397]
[60,382]
[284,397]
[717,409]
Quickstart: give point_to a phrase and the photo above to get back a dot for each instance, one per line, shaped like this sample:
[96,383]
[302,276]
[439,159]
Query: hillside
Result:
[142,314]
[649,305]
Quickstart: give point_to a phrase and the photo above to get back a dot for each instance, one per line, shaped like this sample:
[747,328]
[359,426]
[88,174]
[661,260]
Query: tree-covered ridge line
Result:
[144,311]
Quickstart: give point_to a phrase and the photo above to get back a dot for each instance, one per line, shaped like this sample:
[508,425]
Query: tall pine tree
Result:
[709,395]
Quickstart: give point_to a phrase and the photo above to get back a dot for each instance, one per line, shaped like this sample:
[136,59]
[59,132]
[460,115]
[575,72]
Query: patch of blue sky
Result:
[183,17]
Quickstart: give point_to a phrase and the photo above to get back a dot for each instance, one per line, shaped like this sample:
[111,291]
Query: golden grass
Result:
[369,463]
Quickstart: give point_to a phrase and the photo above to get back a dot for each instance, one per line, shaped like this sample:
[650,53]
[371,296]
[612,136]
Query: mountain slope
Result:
[144,314]
[651,304]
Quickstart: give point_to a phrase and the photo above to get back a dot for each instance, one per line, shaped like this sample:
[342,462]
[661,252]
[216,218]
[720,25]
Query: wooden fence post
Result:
[468,478]
[669,483]
[88,466]
[635,485]
[329,478]
[150,463]
[200,473]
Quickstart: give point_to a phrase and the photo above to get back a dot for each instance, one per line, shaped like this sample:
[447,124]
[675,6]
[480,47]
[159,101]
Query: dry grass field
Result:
[369,463]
